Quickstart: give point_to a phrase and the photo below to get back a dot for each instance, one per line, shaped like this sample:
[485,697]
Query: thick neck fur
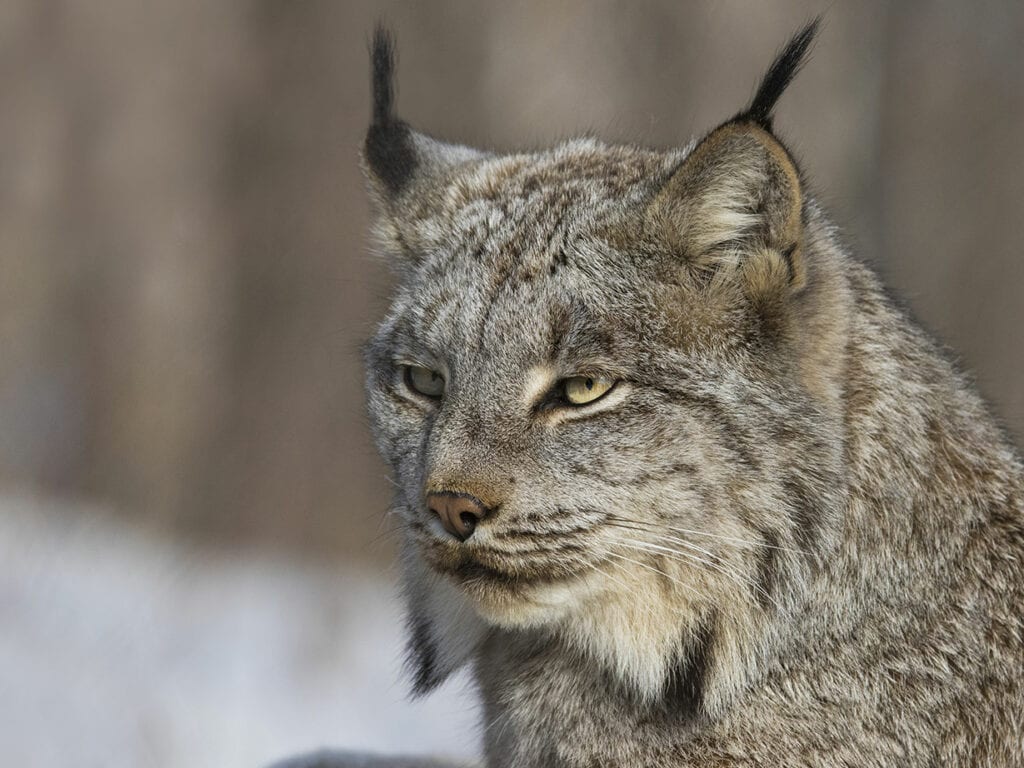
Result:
[929,497]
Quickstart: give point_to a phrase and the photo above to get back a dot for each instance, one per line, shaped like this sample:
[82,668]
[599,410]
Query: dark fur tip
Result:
[687,683]
[780,74]
[420,659]
[389,149]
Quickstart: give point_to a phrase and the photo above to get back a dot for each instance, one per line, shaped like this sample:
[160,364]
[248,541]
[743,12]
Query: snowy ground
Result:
[118,650]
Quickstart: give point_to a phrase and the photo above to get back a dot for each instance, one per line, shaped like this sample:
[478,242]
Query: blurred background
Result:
[194,554]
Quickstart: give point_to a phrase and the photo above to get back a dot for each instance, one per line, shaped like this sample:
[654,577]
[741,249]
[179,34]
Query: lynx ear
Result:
[738,193]
[396,158]
[444,630]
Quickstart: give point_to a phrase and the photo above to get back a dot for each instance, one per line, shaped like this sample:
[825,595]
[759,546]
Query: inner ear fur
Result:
[735,203]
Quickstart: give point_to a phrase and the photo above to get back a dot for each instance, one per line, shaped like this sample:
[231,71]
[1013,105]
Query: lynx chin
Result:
[676,478]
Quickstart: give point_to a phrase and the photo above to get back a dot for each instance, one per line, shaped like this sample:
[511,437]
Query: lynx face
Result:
[517,307]
[587,353]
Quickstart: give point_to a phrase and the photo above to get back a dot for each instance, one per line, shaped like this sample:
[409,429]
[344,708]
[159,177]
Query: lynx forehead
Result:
[674,475]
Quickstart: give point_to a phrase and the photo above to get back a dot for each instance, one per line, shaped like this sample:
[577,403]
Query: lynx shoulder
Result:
[675,477]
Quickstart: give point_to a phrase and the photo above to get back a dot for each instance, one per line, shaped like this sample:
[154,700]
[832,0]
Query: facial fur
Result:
[673,532]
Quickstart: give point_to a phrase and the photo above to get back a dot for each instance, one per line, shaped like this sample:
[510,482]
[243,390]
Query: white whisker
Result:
[679,556]
[663,537]
[625,587]
[655,570]
[746,542]
[733,539]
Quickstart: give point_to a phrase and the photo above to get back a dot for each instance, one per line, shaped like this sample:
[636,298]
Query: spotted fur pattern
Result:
[790,534]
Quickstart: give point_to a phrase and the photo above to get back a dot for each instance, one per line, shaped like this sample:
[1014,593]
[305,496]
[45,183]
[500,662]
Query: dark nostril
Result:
[459,512]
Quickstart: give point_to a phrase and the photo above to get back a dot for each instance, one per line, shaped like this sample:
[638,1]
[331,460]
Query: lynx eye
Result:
[580,390]
[423,380]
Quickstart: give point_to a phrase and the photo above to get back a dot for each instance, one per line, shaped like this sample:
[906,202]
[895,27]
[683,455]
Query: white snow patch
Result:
[121,650]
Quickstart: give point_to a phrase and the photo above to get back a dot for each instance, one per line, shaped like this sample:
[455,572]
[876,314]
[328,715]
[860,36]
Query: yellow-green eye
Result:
[424,380]
[580,390]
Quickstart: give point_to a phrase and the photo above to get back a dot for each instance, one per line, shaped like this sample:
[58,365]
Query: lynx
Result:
[677,479]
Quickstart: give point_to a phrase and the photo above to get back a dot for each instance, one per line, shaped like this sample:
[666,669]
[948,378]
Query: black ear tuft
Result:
[389,147]
[781,73]
[383,61]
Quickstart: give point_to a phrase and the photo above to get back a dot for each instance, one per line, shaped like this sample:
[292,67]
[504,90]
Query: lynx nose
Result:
[459,512]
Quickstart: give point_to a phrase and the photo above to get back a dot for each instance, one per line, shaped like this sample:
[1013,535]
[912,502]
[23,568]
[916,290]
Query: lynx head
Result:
[606,389]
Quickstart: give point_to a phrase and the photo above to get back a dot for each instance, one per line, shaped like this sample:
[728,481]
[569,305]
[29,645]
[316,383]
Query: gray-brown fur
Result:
[790,535]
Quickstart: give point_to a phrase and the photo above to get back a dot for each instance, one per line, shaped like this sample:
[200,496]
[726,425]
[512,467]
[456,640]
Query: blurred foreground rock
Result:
[328,759]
